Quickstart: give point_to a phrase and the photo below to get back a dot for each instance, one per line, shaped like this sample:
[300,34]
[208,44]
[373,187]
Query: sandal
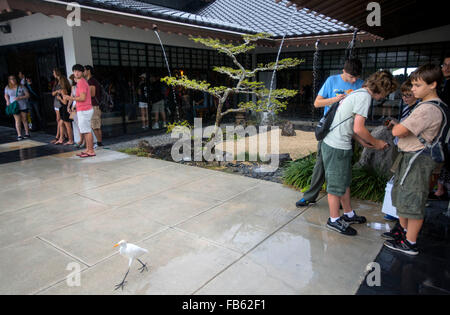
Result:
[85,155]
[54,141]
[82,153]
[68,143]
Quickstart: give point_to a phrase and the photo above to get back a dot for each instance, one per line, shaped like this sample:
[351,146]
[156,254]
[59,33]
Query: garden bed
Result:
[295,147]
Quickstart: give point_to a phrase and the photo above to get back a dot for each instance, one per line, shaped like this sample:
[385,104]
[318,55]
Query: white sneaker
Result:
[164,125]
[155,126]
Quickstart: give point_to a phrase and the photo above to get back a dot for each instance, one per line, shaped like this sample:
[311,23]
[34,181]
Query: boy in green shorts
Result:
[348,124]
[411,183]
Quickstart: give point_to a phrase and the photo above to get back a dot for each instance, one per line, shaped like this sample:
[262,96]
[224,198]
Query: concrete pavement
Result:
[207,232]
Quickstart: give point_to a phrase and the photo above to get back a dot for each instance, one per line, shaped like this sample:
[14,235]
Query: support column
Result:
[77,47]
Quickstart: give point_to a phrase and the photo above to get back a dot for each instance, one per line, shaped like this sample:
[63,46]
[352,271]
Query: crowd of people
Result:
[165,105]
[69,107]
[419,123]
[76,106]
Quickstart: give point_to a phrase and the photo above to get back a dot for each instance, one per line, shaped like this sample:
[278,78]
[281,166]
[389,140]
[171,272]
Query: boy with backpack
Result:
[418,135]
[334,90]
[336,149]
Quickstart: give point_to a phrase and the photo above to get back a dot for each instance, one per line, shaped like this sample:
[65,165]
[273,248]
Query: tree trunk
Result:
[218,118]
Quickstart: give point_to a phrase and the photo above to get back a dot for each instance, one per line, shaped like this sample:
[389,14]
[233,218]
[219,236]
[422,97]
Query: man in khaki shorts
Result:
[96,120]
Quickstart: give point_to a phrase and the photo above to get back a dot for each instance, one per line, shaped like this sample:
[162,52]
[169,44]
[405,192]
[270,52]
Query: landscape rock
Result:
[381,160]
[145,145]
[287,129]
[282,158]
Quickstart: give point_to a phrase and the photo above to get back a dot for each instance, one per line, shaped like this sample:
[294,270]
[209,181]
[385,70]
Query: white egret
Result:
[131,252]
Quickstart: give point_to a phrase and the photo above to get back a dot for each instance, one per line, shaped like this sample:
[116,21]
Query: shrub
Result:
[367,183]
[172,126]
[297,174]
[251,158]
[135,151]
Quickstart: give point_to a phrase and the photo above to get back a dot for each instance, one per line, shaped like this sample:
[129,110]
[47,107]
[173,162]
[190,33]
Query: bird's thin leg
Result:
[144,266]
[122,284]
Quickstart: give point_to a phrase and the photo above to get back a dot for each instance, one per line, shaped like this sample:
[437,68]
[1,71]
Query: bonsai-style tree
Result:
[242,78]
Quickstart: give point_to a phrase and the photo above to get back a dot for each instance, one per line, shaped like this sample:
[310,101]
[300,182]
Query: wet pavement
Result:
[206,232]
[429,272]
[38,145]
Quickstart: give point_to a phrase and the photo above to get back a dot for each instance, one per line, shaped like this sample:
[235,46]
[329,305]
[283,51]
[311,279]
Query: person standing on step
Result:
[96,95]
[142,93]
[22,78]
[17,92]
[334,90]
[77,135]
[35,109]
[56,93]
[65,123]
[157,97]
[84,109]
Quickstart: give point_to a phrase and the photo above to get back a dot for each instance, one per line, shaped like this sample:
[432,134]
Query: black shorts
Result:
[65,116]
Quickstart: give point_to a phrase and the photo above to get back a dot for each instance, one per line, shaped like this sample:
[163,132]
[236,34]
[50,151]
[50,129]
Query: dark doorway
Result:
[37,60]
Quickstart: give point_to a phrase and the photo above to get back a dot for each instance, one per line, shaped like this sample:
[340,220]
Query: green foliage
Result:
[251,158]
[227,137]
[282,64]
[367,183]
[135,151]
[298,173]
[278,99]
[231,49]
[172,126]
[185,82]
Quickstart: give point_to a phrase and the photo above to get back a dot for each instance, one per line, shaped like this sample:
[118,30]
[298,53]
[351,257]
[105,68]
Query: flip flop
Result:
[82,153]
[87,155]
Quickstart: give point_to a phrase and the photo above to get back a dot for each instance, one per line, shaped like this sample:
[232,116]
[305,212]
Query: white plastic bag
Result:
[388,208]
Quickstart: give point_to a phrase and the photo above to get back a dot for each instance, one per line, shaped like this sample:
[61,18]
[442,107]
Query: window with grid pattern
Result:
[122,53]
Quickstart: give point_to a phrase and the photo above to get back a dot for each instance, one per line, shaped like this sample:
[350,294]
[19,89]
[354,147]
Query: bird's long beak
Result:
[116,245]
